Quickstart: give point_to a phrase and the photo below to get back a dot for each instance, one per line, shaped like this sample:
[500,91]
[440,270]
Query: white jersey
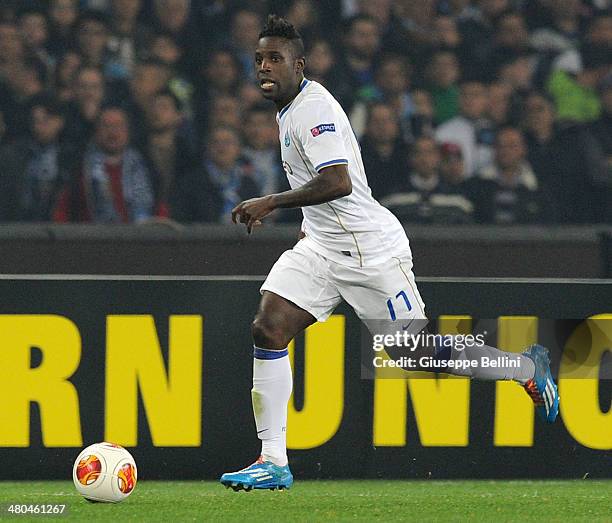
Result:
[354,230]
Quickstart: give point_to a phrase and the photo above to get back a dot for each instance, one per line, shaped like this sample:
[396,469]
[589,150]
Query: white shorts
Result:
[317,285]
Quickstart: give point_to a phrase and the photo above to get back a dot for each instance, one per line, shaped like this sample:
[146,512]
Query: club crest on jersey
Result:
[324,127]
[287,139]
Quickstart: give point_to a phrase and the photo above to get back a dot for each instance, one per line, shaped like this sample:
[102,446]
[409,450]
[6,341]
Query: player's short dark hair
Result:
[280,27]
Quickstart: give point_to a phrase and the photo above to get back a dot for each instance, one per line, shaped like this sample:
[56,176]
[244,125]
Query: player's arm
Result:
[331,183]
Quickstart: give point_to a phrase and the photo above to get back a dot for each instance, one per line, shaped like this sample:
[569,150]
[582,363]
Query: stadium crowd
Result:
[482,111]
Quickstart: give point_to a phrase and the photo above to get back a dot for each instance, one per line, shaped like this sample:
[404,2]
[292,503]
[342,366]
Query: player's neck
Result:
[281,104]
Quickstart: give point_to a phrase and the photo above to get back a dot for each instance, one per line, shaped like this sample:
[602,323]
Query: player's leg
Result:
[277,322]
[531,369]
[296,293]
[386,298]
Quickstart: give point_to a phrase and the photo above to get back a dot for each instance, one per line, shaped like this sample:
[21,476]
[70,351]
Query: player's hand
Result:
[252,211]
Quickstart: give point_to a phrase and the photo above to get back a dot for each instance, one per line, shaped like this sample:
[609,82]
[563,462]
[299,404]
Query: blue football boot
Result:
[260,475]
[541,388]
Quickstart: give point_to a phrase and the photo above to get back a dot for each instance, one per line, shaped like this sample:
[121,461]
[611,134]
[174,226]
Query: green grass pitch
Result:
[330,501]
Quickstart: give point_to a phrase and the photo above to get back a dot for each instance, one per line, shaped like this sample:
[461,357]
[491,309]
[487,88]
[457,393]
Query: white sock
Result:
[272,385]
[512,366]
[518,367]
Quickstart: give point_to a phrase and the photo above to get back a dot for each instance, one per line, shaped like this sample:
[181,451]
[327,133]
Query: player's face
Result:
[278,71]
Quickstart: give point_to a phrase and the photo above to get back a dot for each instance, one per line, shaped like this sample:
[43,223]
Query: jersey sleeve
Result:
[320,132]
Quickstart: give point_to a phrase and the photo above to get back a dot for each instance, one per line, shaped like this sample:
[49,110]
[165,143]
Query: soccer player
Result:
[350,248]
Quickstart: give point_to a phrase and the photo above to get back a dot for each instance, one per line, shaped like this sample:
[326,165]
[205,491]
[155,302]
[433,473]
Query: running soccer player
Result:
[351,248]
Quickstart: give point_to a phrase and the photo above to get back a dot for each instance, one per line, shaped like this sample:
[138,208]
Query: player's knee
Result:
[268,334]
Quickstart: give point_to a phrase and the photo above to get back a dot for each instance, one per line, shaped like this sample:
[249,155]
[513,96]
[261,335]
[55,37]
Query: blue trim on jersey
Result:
[339,161]
[285,109]
[263,354]
[304,83]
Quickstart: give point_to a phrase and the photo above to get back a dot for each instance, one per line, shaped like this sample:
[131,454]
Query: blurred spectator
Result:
[355,69]
[89,94]
[416,20]
[601,130]
[394,35]
[600,29]
[576,96]
[477,34]
[261,148]
[218,75]
[320,61]
[150,77]
[63,15]
[598,34]
[92,36]
[65,75]
[244,31]
[172,153]
[164,48]
[34,168]
[563,33]
[22,80]
[174,17]
[232,180]
[537,13]
[456,8]
[500,104]
[34,28]
[565,159]
[510,40]
[214,15]
[112,184]
[470,130]
[442,75]
[421,121]
[391,85]
[127,36]
[520,72]
[506,191]
[379,10]
[385,157]
[457,69]
[209,193]
[451,166]
[424,196]
[12,49]
[249,96]
[447,33]
[304,16]
[225,112]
